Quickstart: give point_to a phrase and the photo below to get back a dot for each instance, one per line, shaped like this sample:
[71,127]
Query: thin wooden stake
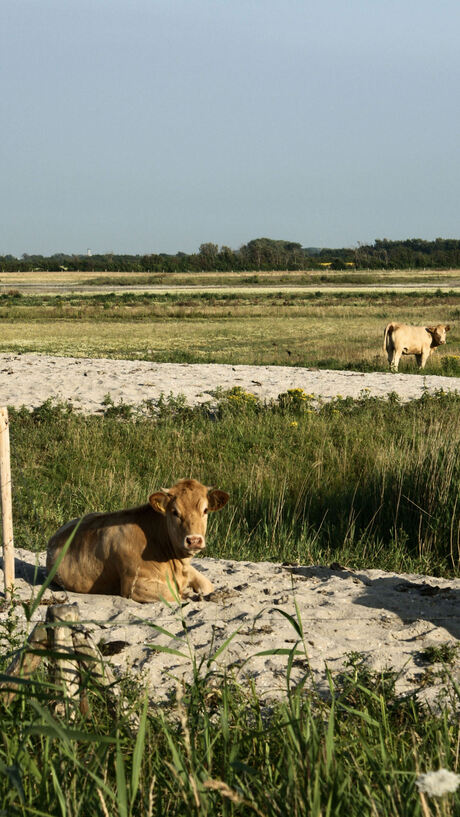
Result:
[7,512]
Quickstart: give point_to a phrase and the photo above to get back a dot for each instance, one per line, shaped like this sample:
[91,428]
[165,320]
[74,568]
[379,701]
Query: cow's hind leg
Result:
[395,360]
[390,352]
[143,589]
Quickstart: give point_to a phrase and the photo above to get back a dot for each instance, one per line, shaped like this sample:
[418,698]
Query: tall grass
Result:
[370,483]
[214,749]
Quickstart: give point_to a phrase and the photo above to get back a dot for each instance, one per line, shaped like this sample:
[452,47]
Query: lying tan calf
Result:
[142,553]
[421,341]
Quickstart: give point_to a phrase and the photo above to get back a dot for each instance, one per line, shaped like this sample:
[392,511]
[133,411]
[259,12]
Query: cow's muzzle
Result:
[194,543]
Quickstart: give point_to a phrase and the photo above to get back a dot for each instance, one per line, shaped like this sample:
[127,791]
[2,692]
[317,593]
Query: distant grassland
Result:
[328,276]
[335,330]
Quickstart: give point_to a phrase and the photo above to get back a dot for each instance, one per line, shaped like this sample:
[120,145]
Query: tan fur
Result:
[421,341]
[141,553]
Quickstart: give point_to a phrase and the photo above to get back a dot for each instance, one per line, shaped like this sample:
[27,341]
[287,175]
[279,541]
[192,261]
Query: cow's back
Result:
[101,547]
[411,339]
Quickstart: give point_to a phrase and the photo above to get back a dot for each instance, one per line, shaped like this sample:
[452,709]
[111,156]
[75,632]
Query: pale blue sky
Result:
[156,125]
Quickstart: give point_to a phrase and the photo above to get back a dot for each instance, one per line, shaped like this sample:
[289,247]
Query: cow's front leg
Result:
[423,358]
[199,583]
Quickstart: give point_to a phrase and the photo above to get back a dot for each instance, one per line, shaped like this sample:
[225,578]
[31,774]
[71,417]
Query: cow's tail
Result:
[387,339]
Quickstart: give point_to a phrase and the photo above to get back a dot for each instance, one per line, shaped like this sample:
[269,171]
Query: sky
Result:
[139,126]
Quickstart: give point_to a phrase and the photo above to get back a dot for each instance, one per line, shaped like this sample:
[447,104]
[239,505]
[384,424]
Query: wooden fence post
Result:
[7,513]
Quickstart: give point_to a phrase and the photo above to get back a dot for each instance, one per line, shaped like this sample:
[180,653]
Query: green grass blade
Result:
[68,734]
[296,625]
[360,714]
[138,753]
[223,646]
[330,738]
[159,629]
[277,651]
[169,650]
[59,792]
[299,618]
[122,799]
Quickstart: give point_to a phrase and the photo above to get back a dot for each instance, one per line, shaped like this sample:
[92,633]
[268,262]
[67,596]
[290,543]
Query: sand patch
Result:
[29,380]
[390,619]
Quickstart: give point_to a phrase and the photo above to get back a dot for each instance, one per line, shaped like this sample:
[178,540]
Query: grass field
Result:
[68,279]
[329,330]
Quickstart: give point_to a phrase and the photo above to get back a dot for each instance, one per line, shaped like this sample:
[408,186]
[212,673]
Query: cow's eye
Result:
[205,510]
[176,512]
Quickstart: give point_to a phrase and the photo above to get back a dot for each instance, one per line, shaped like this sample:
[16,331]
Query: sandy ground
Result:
[391,619]
[31,379]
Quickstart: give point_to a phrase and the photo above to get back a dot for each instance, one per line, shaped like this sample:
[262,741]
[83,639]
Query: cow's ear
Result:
[217,499]
[159,501]
[447,327]
[430,329]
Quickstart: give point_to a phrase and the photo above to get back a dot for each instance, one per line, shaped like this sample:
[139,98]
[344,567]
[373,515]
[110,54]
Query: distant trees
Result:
[266,253]
[258,254]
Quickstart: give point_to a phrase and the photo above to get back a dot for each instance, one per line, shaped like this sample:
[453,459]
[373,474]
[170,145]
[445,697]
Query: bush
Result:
[450,365]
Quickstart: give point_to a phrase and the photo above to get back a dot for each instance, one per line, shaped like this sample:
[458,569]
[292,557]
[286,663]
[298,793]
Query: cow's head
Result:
[186,506]
[438,333]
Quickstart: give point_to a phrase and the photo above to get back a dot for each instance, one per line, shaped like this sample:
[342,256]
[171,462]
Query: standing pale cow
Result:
[142,553]
[400,339]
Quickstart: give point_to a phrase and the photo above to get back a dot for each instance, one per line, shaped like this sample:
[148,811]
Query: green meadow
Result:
[326,329]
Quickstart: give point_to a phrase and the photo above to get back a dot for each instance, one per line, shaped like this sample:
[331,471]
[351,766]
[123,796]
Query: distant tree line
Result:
[258,254]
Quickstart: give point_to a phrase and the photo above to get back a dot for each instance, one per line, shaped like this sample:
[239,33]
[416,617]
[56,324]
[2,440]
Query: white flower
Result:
[438,783]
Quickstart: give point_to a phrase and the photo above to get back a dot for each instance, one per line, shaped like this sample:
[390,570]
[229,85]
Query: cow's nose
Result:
[194,542]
